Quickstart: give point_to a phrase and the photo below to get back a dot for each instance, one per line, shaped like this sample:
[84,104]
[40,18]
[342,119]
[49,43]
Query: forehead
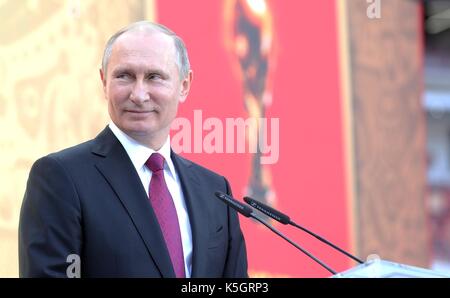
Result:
[144,48]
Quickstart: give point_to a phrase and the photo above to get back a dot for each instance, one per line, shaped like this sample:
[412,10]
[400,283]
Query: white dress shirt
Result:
[139,154]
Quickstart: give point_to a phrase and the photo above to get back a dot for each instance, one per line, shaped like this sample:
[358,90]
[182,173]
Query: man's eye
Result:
[154,76]
[123,76]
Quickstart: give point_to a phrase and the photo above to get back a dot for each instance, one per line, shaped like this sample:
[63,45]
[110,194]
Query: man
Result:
[123,204]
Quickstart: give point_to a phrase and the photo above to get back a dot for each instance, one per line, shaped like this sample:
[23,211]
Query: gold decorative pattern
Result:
[50,92]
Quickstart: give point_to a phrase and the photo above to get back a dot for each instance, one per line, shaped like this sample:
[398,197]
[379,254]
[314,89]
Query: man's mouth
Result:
[140,111]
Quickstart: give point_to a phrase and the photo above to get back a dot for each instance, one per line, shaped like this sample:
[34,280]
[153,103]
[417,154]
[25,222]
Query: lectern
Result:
[385,269]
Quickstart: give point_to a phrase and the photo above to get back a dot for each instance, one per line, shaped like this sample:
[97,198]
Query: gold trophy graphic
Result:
[249,39]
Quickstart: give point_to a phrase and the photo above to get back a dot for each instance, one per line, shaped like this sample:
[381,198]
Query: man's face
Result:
[143,86]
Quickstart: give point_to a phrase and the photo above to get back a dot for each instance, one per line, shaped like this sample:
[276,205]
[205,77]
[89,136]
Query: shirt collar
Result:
[139,153]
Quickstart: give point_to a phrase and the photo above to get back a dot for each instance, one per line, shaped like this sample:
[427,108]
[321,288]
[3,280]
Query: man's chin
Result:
[140,132]
[142,129]
[139,128]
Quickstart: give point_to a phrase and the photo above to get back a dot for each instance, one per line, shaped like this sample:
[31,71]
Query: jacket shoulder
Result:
[74,153]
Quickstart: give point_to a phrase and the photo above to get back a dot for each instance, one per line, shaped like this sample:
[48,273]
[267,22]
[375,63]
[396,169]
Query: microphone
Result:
[248,212]
[284,219]
[235,204]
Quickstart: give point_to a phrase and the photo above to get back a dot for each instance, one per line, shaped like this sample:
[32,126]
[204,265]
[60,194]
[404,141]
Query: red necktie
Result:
[165,211]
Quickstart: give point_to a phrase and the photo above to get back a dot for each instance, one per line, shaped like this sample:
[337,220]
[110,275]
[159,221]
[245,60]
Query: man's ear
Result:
[103,78]
[186,86]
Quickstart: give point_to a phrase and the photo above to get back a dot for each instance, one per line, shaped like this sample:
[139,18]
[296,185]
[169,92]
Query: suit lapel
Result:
[121,175]
[198,213]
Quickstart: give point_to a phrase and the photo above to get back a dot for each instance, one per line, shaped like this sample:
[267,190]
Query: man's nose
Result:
[139,93]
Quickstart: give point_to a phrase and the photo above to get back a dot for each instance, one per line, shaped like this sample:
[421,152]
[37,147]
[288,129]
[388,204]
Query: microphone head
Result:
[235,204]
[249,201]
[267,210]
[219,194]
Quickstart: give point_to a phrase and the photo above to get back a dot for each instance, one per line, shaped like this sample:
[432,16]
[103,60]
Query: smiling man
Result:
[124,204]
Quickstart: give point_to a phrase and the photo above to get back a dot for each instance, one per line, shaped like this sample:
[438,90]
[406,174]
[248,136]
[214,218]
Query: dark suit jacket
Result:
[88,200]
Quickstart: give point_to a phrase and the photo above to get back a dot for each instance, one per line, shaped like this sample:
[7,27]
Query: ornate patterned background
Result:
[50,90]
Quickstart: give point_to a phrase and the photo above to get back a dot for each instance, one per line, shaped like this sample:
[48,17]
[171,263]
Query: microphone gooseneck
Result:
[284,219]
[248,212]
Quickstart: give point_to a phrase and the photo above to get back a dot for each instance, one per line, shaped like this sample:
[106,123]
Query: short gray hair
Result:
[182,60]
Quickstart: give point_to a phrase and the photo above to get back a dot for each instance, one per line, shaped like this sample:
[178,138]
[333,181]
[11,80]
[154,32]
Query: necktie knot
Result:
[155,162]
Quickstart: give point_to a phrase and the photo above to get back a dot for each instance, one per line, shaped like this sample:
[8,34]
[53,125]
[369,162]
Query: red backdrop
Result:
[309,177]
